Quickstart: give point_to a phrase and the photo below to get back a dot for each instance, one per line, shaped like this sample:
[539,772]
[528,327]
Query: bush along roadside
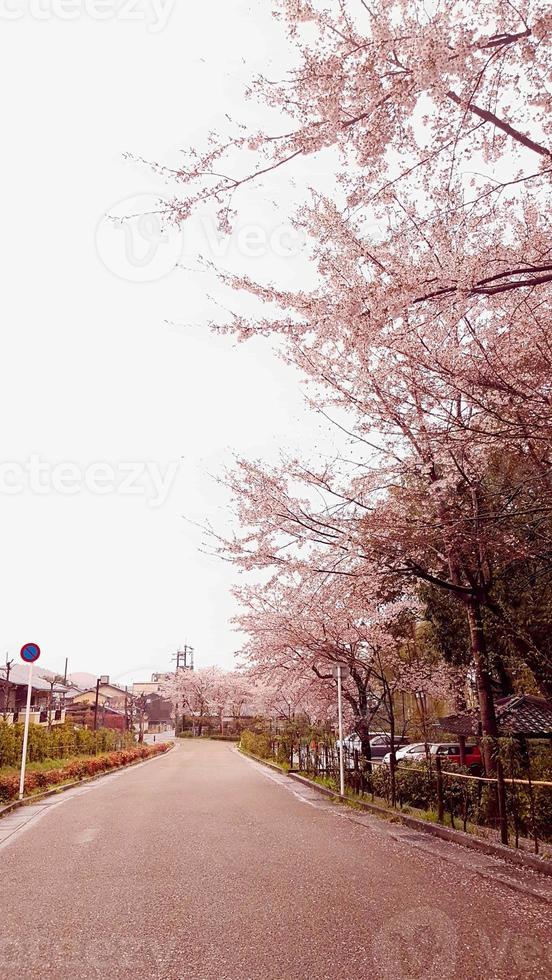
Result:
[76,769]
[60,742]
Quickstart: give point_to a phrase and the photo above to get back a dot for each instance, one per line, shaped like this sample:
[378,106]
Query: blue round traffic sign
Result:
[30,652]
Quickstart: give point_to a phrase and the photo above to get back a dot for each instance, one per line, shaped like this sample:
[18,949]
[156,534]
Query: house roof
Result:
[71,692]
[524,714]
[518,714]
[19,676]
[104,687]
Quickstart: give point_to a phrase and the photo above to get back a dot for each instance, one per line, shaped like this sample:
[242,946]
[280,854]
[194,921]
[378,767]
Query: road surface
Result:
[202,864]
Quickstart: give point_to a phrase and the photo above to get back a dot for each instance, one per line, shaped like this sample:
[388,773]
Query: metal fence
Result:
[440,790]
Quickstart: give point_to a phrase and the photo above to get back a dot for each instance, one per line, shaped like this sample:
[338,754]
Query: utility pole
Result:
[185,658]
[65,672]
[130,705]
[9,665]
[50,702]
[142,701]
[340,727]
[96,703]
[341,673]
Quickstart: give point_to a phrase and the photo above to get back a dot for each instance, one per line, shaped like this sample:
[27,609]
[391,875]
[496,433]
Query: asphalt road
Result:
[204,865]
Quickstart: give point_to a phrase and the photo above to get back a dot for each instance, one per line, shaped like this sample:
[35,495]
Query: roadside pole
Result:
[341,673]
[340,728]
[98,682]
[26,733]
[29,653]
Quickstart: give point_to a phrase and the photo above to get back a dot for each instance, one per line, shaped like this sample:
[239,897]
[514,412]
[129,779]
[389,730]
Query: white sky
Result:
[97,369]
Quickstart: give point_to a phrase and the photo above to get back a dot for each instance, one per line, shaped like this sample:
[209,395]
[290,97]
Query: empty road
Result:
[205,865]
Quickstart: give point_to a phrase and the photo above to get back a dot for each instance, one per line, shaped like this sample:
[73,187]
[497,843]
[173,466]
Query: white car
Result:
[408,753]
[350,743]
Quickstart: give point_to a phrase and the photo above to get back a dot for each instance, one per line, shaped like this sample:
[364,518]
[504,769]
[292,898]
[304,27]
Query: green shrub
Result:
[76,769]
[415,786]
[381,782]
[61,742]
[256,743]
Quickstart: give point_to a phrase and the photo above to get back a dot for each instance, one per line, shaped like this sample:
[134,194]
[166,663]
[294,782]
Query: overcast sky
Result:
[118,403]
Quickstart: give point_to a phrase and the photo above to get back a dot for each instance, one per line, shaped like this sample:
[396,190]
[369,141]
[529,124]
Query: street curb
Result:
[256,758]
[16,804]
[531,861]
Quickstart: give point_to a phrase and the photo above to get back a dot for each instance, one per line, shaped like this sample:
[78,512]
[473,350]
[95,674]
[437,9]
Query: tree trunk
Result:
[362,729]
[493,765]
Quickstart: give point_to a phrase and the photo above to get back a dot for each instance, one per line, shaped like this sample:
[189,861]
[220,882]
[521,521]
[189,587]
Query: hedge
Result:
[256,743]
[60,742]
[76,769]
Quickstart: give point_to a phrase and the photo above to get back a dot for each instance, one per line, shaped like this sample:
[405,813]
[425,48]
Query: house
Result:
[519,715]
[116,697]
[145,687]
[47,697]
[158,710]
[82,713]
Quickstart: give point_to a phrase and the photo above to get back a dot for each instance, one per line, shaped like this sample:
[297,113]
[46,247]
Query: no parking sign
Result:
[30,653]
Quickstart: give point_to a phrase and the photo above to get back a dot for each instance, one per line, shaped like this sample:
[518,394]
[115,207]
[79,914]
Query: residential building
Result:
[47,697]
[108,693]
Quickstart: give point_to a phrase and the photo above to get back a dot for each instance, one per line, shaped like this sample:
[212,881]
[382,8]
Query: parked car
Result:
[407,753]
[352,741]
[450,752]
[380,745]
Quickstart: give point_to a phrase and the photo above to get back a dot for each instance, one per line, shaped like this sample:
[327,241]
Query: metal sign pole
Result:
[26,734]
[340,726]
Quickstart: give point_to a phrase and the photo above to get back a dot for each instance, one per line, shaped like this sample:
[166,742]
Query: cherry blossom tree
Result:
[296,694]
[207,692]
[427,332]
[302,623]
[406,91]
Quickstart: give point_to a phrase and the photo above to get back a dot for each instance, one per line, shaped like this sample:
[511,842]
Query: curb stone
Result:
[520,858]
[56,790]
[531,861]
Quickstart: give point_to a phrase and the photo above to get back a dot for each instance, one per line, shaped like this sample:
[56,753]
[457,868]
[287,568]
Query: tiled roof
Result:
[523,714]
[519,714]
[459,724]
